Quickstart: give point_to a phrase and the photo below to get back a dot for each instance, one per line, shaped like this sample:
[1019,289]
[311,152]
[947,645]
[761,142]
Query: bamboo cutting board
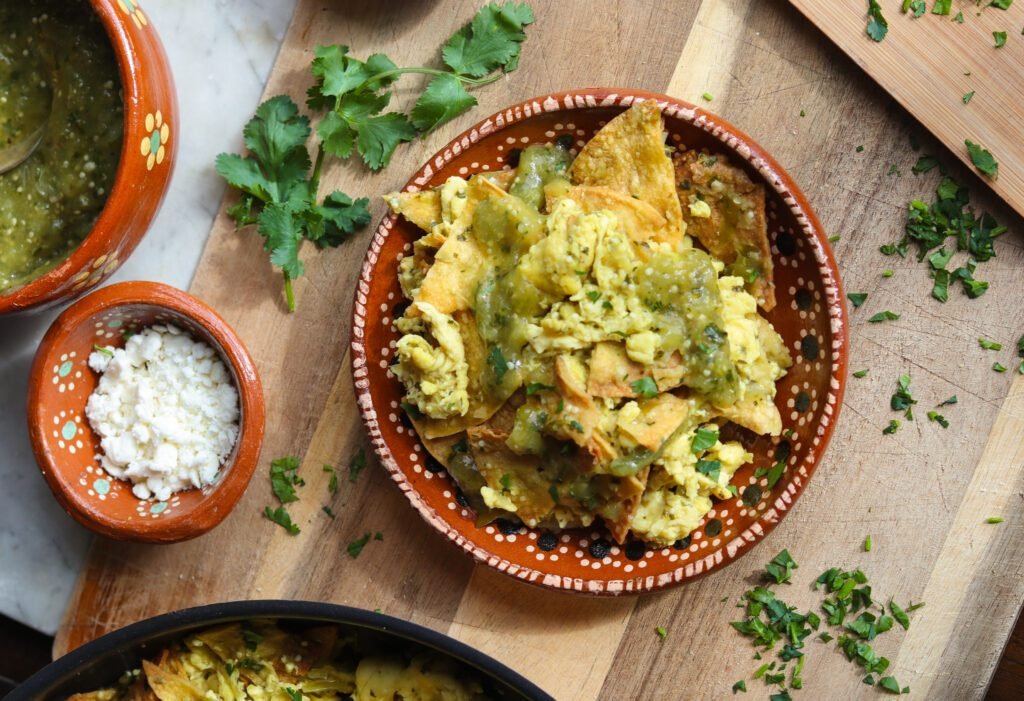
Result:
[922,494]
[931,62]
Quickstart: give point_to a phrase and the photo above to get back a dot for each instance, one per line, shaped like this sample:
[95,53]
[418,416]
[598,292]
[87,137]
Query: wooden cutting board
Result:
[922,494]
[930,63]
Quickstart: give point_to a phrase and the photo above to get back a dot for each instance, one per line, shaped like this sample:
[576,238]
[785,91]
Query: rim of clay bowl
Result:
[105,231]
[214,506]
[774,177]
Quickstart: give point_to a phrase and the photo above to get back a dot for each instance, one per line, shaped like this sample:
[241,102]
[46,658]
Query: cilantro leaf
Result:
[968,97]
[883,316]
[1001,4]
[1020,346]
[893,426]
[859,374]
[283,236]
[924,164]
[337,219]
[1000,39]
[281,517]
[356,465]
[938,418]
[982,159]
[356,546]
[645,387]
[444,99]
[709,468]
[662,633]
[781,567]
[877,27]
[490,41]
[989,344]
[857,298]
[496,359]
[889,684]
[941,7]
[284,477]
[379,137]
[704,438]
[741,685]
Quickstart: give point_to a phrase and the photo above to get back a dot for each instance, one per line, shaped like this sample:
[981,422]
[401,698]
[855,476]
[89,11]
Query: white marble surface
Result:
[221,52]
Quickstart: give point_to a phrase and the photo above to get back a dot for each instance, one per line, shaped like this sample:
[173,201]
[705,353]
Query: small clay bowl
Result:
[143,173]
[810,315]
[66,447]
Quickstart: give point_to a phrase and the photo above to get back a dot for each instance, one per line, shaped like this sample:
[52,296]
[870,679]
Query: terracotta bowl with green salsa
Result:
[92,77]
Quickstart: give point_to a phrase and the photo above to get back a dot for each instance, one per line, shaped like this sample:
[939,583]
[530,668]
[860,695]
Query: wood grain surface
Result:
[922,494]
[929,63]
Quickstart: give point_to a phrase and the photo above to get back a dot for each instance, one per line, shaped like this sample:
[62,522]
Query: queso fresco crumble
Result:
[165,410]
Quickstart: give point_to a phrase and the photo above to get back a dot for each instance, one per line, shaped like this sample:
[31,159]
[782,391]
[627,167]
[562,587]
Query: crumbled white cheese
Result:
[165,410]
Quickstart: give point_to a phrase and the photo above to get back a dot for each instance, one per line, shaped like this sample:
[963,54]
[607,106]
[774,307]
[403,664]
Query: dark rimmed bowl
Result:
[103,660]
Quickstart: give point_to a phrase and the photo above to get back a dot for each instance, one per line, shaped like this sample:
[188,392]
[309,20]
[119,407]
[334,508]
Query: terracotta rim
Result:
[216,505]
[138,101]
[810,227]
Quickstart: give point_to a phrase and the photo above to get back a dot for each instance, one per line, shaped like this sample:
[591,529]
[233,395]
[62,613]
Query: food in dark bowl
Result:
[275,650]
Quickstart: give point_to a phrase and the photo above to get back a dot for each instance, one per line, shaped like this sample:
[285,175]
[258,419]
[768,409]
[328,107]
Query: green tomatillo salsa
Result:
[54,59]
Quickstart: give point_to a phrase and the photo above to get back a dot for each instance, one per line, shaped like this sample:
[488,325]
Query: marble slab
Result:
[221,53]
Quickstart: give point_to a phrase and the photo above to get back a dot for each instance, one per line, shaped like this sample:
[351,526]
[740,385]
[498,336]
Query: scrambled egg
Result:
[436,373]
[593,341]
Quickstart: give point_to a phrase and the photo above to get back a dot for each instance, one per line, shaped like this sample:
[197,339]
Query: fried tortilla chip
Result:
[725,210]
[612,372]
[169,686]
[759,415]
[618,515]
[628,155]
[659,417]
[641,221]
[450,283]
[422,208]
[581,413]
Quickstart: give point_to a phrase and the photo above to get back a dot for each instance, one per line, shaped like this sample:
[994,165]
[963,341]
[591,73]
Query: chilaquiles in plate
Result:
[600,342]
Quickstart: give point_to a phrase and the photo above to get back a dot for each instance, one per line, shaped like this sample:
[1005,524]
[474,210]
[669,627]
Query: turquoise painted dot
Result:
[101,486]
[65,368]
[158,508]
[114,324]
[154,141]
[69,430]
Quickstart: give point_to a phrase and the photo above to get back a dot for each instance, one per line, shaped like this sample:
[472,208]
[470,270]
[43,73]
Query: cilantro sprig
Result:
[279,190]
[354,93]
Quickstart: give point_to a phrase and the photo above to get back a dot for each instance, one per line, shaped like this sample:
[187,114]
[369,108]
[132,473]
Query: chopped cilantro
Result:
[378,536]
[901,399]
[534,387]
[251,638]
[332,484]
[645,387]
[899,614]
[859,149]
[1000,39]
[1001,4]
[412,410]
[781,567]
[924,164]
[968,97]
[576,426]
[293,694]
[994,519]
[938,418]
[662,633]
[284,478]
[940,259]
[867,544]
[889,684]
[710,469]
[940,289]
[982,158]
[741,685]
[357,545]
[959,18]
[894,170]
[704,438]
[893,426]
[888,272]
[834,238]
[781,696]
[941,7]
[948,402]
[775,473]
[281,518]
[998,367]
[989,344]
[593,295]
[553,492]
[496,359]
[708,97]
[356,465]
[825,636]
[861,373]
[877,25]
[916,6]
[884,316]
[329,511]
[250,664]
[857,298]
[1020,346]
[105,351]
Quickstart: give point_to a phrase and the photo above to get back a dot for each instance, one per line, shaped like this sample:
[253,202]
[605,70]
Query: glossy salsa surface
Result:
[56,60]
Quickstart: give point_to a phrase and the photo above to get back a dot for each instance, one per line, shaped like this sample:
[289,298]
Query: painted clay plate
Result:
[810,315]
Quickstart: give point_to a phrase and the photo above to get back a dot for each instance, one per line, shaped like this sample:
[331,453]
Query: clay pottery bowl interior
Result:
[810,316]
[143,172]
[66,448]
